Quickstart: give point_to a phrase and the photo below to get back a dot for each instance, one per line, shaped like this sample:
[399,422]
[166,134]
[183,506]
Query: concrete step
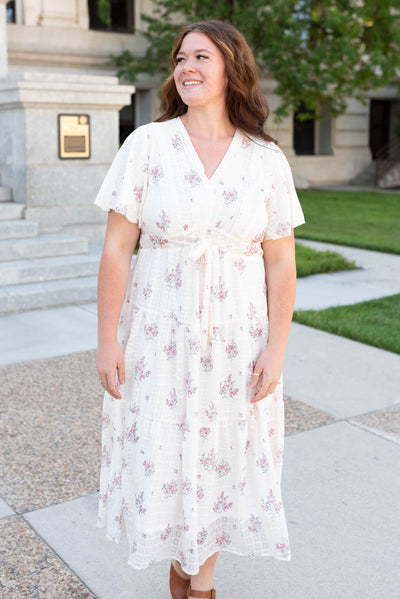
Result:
[11,210]
[391,179]
[17,298]
[60,216]
[93,232]
[42,246]
[38,270]
[365,179]
[10,229]
[5,193]
[366,176]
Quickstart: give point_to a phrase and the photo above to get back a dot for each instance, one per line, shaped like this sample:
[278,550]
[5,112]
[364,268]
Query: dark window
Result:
[127,120]
[379,125]
[121,16]
[304,134]
[10,12]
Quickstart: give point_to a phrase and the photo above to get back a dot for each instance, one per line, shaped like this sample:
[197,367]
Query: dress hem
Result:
[176,556]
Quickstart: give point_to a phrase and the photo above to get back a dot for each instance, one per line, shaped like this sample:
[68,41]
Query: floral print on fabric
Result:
[189,466]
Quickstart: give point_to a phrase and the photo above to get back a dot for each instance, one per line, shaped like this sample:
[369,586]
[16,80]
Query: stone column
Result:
[3,39]
[63,13]
[32,12]
[58,193]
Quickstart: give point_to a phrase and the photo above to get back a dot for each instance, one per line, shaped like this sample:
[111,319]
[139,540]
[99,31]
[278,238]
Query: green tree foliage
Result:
[320,52]
[104,11]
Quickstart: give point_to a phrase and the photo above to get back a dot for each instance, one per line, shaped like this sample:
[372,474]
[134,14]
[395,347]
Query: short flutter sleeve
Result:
[283,206]
[125,185]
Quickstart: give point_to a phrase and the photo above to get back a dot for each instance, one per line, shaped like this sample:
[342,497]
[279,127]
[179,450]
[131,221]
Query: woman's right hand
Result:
[110,365]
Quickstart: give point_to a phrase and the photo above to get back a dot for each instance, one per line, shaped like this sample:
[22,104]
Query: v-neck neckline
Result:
[196,157]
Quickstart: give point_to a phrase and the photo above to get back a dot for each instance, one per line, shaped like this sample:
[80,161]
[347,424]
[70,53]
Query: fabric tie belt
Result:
[206,251]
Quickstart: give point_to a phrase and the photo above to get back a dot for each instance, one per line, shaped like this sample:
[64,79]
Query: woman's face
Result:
[200,75]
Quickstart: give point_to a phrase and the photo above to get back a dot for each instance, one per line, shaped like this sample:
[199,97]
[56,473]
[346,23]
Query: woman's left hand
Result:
[269,368]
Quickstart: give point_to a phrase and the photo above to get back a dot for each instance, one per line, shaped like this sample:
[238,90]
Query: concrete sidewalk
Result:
[341,480]
[378,276]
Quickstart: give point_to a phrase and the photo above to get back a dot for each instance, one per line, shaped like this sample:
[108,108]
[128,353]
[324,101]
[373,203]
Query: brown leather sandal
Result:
[201,594]
[177,585]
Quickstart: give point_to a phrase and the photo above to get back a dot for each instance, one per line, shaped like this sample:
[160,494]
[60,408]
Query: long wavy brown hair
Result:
[247,109]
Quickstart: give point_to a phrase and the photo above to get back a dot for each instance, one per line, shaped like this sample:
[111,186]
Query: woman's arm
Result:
[280,274]
[120,242]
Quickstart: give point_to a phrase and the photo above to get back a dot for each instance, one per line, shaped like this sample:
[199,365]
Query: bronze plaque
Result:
[74,135]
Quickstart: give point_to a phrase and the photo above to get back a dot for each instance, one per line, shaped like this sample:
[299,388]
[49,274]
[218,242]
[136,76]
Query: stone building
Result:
[53,63]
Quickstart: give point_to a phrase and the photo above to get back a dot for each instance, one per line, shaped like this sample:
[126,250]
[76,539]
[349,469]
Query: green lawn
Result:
[367,219]
[311,262]
[375,322]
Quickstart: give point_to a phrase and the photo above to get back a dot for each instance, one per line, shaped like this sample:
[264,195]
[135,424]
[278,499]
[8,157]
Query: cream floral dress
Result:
[189,465]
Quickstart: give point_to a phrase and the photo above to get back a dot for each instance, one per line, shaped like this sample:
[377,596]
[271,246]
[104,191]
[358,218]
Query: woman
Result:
[193,410]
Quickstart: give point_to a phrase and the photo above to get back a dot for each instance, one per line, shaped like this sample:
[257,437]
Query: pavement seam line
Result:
[57,554]
[8,505]
[309,430]
[50,505]
[374,431]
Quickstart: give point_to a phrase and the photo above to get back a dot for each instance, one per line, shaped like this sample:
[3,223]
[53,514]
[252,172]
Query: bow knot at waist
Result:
[201,249]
